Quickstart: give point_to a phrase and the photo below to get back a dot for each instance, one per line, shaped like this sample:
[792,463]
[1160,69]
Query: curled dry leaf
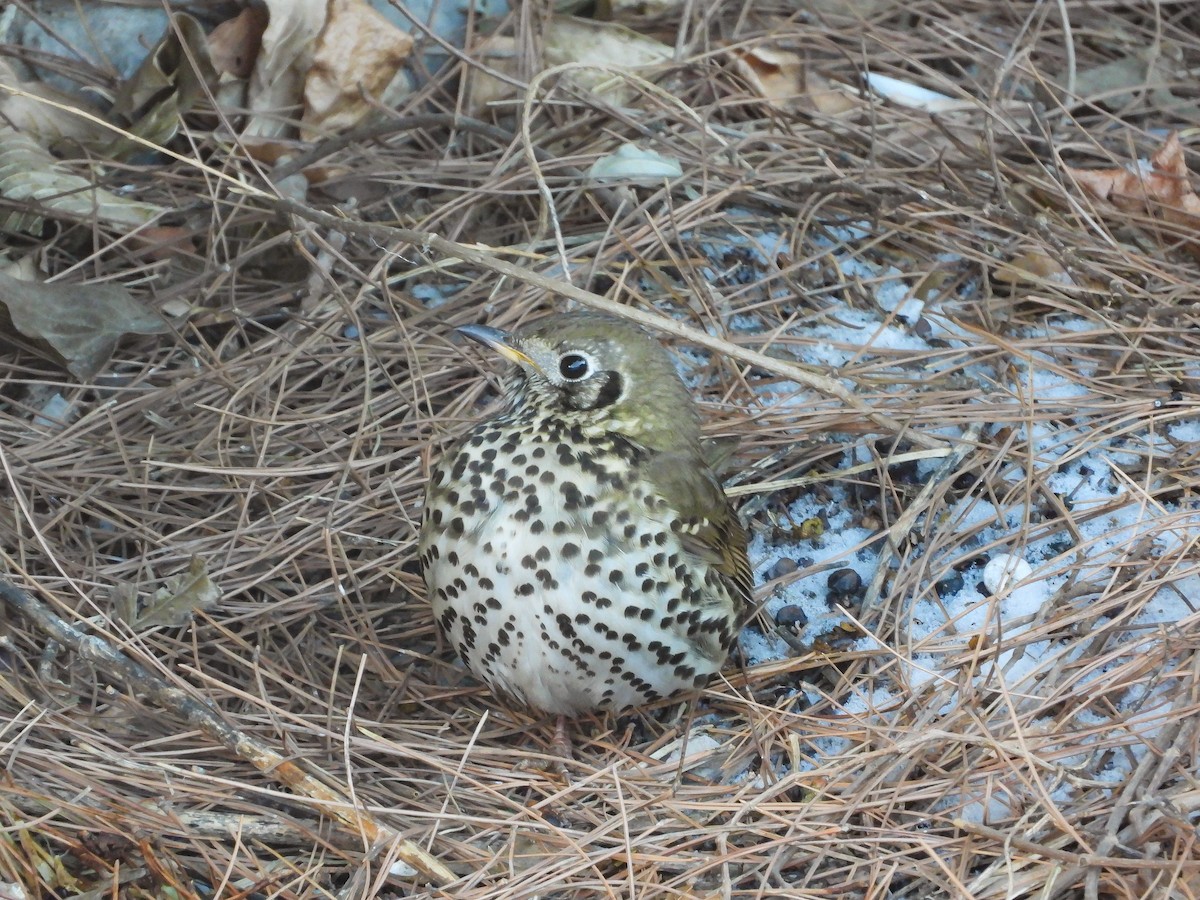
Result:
[357,66]
[174,604]
[775,75]
[636,164]
[79,324]
[166,86]
[235,43]
[277,82]
[1161,188]
[781,78]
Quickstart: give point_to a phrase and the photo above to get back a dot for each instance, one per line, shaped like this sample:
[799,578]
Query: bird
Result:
[577,546]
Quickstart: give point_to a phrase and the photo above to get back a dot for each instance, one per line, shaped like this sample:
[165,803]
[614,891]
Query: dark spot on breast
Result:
[564,625]
[572,497]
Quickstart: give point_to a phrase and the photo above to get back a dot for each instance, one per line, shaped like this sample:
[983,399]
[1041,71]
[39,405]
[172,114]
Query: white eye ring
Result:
[574,366]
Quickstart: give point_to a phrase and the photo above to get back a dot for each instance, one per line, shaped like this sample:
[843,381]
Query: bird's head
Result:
[601,372]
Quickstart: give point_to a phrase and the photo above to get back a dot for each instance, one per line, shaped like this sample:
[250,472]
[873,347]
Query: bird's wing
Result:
[705,521]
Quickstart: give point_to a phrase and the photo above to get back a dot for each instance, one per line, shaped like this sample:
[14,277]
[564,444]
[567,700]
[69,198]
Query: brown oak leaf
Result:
[1162,188]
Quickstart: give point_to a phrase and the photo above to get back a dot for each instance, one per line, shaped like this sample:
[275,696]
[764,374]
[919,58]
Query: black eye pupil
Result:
[573,366]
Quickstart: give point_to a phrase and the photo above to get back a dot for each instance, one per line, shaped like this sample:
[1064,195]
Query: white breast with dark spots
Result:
[553,593]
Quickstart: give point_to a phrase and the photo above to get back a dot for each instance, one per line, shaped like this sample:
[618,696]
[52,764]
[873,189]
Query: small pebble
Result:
[950,585]
[791,616]
[785,566]
[844,582]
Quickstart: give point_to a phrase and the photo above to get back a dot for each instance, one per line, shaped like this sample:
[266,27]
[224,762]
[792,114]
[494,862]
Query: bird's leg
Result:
[562,739]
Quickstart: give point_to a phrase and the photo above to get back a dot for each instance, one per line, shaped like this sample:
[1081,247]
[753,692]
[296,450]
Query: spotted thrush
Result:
[578,549]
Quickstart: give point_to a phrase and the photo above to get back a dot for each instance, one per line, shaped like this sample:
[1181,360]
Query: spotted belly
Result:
[567,602]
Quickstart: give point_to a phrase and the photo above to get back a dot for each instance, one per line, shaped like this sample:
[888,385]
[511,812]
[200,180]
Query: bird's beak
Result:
[500,341]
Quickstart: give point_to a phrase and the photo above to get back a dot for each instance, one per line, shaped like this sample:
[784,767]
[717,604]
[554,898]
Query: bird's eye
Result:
[573,366]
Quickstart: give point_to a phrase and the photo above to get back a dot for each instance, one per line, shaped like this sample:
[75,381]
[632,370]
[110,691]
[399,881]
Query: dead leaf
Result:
[358,66]
[174,604]
[234,45]
[31,176]
[777,76]
[165,87]
[1140,77]
[498,52]
[781,78]
[1160,188]
[636,10]
[278,151]
[606,46]
[1033,265]
[631,163]
[79,324]
[277,82]
[23,108]
[601,49]
[165,241]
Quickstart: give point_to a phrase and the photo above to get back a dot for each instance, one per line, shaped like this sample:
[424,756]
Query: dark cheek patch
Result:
[610,390]
[606,387]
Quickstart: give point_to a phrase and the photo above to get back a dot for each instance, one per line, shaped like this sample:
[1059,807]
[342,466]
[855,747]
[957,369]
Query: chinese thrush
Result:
[579,551]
